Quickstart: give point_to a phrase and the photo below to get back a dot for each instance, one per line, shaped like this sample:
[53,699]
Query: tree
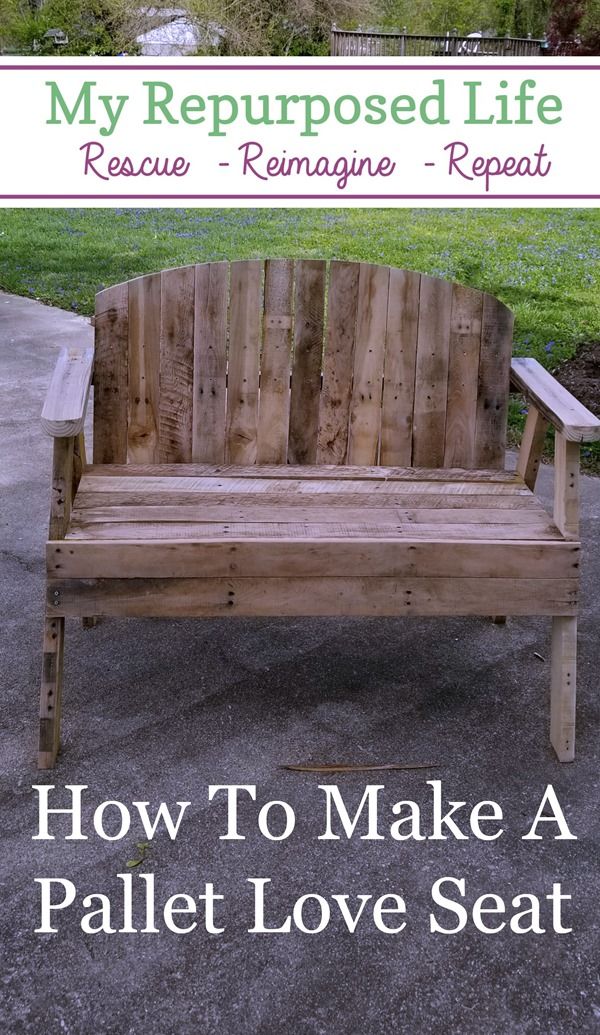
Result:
[565,20]
[101,27]
[591,28]
[440,16]
[10,14]
[574,27]
[530,18]
[286,27]
[500,17]
[505,17]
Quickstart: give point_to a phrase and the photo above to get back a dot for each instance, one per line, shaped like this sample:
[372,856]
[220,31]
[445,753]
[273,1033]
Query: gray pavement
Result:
[157,710]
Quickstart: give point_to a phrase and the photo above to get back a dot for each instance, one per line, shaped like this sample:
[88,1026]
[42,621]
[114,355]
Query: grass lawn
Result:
[544,264]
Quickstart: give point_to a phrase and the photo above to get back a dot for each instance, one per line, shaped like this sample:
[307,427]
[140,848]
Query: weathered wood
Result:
[566,486]
[110,375]
[463,377]
[210,362]
[303,530]
[369,352]
[444,419]
[207,597]
[79,461]
[323,512]
[308,351]
[399,373]
[175,527]
[236,470]
[563,687]
[176,365]
[392,557]
[334,411]
[275,365]
[272,498]
[247,506]
[51,688]
[494,369]
[554,402]
[244,355]
[62,487]
[120,491]
[252,480]
[431,377]
[314,472]
[144,370]
[66,400]
[296,492]
[532,447]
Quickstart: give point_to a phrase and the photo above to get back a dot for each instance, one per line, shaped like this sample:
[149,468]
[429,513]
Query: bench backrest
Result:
[300,362]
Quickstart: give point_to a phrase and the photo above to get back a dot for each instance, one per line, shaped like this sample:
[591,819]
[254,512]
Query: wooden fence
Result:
[373,43]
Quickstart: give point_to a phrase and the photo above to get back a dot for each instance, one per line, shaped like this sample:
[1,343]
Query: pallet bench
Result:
[304,438]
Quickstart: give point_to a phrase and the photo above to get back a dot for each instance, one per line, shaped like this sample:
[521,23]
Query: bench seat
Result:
[239,411]
[202,539]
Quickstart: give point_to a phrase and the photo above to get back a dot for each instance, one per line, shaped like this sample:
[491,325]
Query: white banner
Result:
[370,131]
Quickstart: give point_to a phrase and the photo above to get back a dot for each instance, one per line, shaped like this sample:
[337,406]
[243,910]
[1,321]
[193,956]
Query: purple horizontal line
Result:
[298,68]
[298,197]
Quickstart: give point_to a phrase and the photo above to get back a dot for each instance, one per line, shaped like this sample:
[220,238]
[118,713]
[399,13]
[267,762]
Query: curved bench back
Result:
[300,362]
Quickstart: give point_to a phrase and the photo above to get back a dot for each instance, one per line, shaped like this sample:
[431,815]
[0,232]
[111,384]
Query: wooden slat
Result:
[308,350]
[399,372]
[273,500]
[431,378]
[286,487]
[554,402]
[532,446]
[110,375]
[178,526]
[275,365]
[244,357]
[210,362]
[314,472]
[334,411]
[463,375]
[364,427]
[300,530]
[79,460]
[326,513]
[563,687]
[51,687]
[384,557]
[176,365]
[62,487]
[202,597]
[144,370]
[494,378]
[566,486]
[63,414]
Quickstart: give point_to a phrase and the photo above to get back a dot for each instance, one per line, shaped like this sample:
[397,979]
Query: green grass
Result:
[544,264]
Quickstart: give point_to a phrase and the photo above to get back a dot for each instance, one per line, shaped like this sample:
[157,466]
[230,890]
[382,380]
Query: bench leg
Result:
[52,671]
[90,622]
[499,619]
[563,687]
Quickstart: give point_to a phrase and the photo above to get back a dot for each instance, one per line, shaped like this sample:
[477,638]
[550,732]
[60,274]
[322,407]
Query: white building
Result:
[172,33]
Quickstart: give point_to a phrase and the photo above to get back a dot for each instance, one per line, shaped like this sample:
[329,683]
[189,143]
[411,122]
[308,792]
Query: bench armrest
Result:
[63,414]
[554,403]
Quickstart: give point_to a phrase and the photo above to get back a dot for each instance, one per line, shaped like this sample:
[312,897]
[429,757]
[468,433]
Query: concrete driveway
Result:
[156,711]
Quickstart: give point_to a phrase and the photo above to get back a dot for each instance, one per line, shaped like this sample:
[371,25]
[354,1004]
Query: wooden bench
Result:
[304,438]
